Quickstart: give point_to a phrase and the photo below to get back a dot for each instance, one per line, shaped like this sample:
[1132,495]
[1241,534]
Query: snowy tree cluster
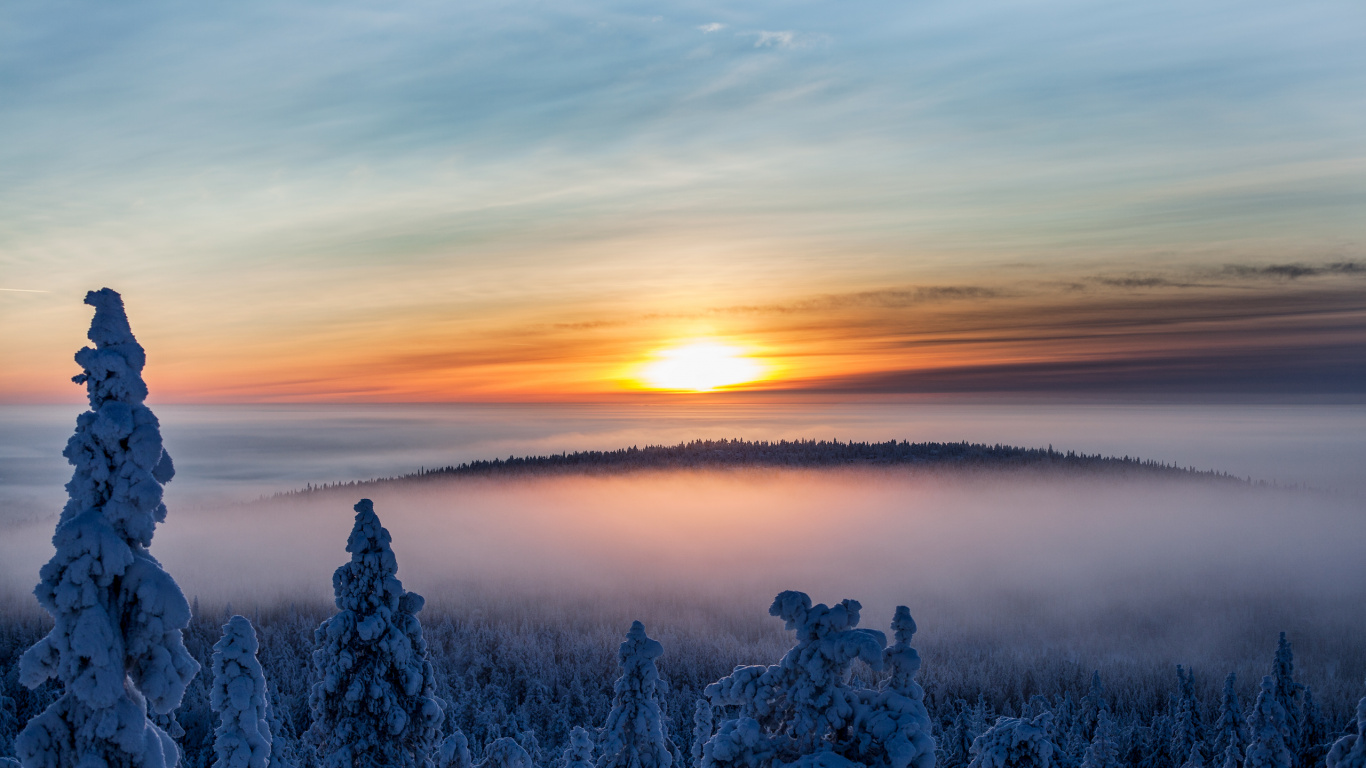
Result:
[114,682]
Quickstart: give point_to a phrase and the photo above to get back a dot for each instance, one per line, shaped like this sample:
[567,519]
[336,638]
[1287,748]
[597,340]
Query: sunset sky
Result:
[534,201]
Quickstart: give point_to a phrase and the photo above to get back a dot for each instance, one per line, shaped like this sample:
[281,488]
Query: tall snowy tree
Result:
[579,753]
[1268,726]
[374,701]
[1187,726]
[116,643]
[892,725]
[505,753]
[1350,750]
[1313,731]
[1014,742]
[702,729]
[1231,728]
[635,736]
[1287,691]
[454,751]
[243,738]
[1103,751]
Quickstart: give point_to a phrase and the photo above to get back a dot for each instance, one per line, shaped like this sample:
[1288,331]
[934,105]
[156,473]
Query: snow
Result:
[243,737]
[1350,750]
[116,645]
[1014,742]
[1269,728]
[579,753]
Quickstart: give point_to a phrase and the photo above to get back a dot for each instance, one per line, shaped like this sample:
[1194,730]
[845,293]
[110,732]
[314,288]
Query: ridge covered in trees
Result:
[814,454]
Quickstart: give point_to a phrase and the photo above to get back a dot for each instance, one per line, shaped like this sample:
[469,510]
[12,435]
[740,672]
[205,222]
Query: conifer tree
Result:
[1014,742]
[374,703]
[702,729]
[1350,750]
[116,643]
[1268,726]
[1196,759]
[1313,731]
[1287,691]
[1231,728]
[505,753]
[635,736]
[1103,751]
[243,737]
[579,753]
[1187,730]
[1233,756]
[455,751]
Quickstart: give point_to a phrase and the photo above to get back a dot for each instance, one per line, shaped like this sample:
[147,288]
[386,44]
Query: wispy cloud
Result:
[714,26]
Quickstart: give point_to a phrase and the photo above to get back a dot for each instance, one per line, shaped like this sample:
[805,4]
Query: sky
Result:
[529,201]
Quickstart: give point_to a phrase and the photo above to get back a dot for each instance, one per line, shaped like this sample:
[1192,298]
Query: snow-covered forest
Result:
[125,671]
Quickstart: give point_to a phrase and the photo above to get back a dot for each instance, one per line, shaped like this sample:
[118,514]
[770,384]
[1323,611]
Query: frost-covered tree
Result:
[1187,728]
[702,729]
[1313,731]
[1350,750]
[242,739]
[579,753]
[1091,705]
[1014,742]
[892,725]
[116,643]
[1103,751]
[1196,759]
[957,743]
[374,701]
[1287,691]
[9,762]
[635,735]
[1231,728]
[1268,727]
[505,753]
[1233,756]
[803,709]
[454,751]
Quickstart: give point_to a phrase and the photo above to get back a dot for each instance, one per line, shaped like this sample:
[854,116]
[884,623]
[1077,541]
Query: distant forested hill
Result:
[814,454]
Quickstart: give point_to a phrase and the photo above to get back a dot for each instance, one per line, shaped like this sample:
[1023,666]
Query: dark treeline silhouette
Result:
[716,454]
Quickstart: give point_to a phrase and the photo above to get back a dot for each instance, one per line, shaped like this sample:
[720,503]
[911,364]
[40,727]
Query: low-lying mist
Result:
[1094,571]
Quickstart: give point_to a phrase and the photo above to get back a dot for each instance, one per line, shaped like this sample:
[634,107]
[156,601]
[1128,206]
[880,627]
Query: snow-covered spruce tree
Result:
[1313,731]
[116,644]
[702,729]
[1196,760]
[1268,748]
[635,736]
[242,738]
[1287,691]
[803,709]
[892,726]
[1231,728]
[1103,751]
[505,753]
[1233,757]
[958,738]
[373,699]
[579,753]
[455,751]
[1187,728]
[1350,750]
[1014,742]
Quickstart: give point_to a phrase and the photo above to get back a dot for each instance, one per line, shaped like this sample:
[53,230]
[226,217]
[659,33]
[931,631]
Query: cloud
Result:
[714,26]
[1297,270]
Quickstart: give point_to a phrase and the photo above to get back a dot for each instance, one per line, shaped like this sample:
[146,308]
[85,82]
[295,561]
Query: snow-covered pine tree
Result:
[892,727]
[374,701]
[802,708]
[505,753]
[635,736]
[1014,742]
[1313,731]
[454,751]
[116,645]
[1268,727]
[283,748]
[1287,691]
[242,739]
[579,753]
[1187,726]
[1195,760]
[1103,751]
[1233,756]
[1350,750]
[1231,728]
[1091,705]
[958,738]
[702,729]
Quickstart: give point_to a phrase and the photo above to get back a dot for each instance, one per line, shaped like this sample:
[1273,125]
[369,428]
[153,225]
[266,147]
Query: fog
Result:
[1150,571]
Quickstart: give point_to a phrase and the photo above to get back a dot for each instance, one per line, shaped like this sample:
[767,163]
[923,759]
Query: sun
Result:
[700,366]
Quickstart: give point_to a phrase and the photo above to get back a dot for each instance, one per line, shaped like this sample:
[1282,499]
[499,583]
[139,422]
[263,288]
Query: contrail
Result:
[23,290]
